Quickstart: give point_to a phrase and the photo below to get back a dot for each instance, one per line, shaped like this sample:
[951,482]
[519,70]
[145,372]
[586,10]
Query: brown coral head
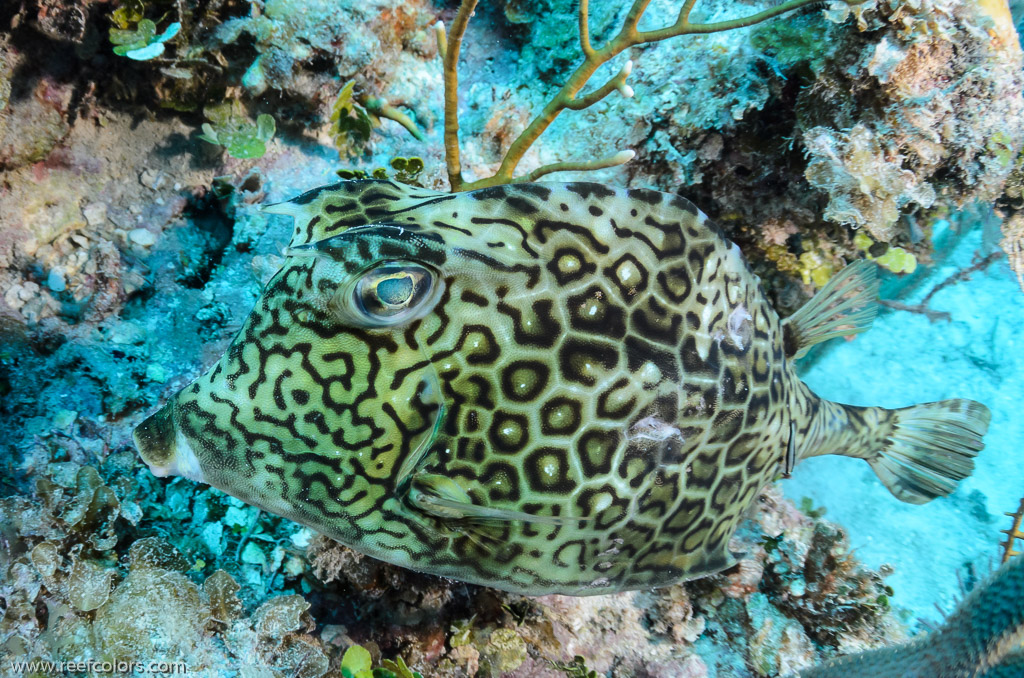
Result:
[166,452]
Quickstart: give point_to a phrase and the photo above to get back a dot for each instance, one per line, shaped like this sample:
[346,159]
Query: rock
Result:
[95,214]
[156,373]
[34,124]
[64,418]
[142,237]
[127,333]
[153,179]
[55,281]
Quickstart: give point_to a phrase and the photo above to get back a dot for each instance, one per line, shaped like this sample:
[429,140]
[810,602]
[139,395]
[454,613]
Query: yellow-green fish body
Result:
[538,387]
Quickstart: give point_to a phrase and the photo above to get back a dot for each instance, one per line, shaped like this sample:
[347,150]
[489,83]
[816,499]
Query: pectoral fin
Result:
[443,498]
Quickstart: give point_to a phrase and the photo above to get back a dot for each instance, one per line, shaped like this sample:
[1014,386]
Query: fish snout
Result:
[164,449]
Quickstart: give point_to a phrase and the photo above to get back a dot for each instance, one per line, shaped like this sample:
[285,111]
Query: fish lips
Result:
[163,447]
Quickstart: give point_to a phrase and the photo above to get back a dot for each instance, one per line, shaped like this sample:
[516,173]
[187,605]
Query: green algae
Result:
[142,43]
[351,123]
[358,663]
[241,138]
[798,42]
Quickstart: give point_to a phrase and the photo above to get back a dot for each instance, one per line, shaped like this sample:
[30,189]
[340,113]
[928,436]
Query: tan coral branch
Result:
[450,55]
[566,97]
[619,158]
[585,46]
[1014,533]
[382,108]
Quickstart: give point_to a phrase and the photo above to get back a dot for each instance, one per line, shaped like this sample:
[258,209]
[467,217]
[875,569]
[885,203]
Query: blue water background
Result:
[905,359]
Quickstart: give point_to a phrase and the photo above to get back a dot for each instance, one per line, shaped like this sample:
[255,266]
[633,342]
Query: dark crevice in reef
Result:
[759,175]
[762,156]
[214,229]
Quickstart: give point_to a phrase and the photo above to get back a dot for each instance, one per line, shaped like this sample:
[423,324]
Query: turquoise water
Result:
[906,359]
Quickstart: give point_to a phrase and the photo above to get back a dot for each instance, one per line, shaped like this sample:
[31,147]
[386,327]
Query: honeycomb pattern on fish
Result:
[540,387]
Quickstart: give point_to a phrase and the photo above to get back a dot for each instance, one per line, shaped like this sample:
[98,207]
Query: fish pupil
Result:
[390,292]
[396,291]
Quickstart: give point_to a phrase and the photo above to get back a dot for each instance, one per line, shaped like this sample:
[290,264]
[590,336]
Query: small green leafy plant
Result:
[407,171]
[807,508]
[357,663]
[577,668]
[353,119]
[351,124]
[228,127]
[378,173]
[135,37]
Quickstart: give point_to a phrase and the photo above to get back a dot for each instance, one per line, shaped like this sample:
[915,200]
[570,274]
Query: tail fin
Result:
[931,447]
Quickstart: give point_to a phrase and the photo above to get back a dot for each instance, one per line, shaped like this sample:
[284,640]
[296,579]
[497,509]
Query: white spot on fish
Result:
[627,271]
[739,327]
[650,374]
[652,428]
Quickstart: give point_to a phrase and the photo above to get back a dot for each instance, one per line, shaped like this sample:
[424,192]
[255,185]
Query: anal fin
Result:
[846,305]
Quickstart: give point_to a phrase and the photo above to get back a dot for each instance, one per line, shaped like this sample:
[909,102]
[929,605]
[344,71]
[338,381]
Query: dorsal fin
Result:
[846,305]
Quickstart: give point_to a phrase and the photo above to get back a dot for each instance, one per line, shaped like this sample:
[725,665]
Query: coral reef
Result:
[568,97]
[63,568]
[828,126]
[1008,207]
[108,195]
[979,638]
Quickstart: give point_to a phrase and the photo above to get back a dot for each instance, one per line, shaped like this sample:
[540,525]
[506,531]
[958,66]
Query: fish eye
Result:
[393,293]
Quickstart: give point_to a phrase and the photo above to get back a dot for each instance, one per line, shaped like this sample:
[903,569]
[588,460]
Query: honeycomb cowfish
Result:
[544,388]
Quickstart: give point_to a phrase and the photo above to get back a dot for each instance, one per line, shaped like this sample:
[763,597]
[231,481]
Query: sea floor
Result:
[905,359]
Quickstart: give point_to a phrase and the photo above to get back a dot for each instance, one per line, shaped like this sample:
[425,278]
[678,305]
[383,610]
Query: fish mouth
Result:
[163,447]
